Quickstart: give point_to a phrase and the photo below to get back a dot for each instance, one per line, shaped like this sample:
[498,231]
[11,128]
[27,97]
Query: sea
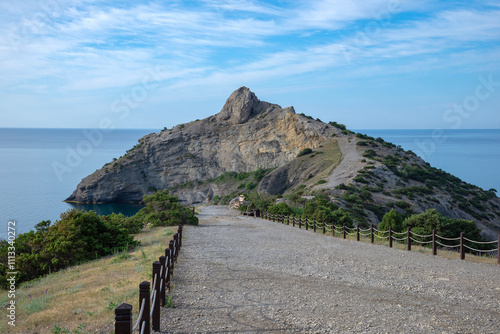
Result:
[39,168]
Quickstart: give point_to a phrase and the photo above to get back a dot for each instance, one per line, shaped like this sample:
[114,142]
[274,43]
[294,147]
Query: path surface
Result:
[238,274]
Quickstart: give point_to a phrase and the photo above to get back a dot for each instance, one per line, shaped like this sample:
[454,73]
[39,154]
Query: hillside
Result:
[251,145]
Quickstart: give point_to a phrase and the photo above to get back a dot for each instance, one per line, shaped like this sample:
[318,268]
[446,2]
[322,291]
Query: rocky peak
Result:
[241,106]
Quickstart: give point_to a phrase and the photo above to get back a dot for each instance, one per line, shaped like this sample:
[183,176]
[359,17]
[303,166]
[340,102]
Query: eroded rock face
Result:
[245,135]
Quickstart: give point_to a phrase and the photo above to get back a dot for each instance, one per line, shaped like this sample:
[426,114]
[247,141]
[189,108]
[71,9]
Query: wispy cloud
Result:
[84,45]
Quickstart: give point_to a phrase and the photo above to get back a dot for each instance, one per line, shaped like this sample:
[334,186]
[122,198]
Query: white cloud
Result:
[92,45]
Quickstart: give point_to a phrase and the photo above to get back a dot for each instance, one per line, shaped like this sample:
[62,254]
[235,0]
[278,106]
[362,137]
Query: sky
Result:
[378,64]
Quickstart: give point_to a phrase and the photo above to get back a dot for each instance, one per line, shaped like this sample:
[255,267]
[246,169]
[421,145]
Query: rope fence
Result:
[407,237]
[151,297]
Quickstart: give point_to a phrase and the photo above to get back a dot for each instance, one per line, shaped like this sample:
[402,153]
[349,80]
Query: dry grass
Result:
[86,295]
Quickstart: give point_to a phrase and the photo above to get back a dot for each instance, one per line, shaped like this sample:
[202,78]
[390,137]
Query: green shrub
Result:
[280,209]
[391,219]
[446,227]
[370,154]
[338,126]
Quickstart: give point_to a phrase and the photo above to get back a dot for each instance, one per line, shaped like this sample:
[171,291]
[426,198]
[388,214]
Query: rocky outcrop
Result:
[361,174]
[245,135]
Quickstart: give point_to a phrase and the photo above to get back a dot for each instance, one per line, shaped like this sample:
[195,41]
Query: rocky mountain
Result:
[251,145]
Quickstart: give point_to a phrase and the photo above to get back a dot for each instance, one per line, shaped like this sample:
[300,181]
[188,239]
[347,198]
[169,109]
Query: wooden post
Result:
[156,288]
[408,240]
[167,266]
[371,234]
[288,219]
[333,228]
[462,248]
[163,261]
[314,225]
[434,244]
[300,222]
[307,223]
[293,221]
[390,237]
[172,257]
[357,233]
[324,227]
[176,243]
[145,294]
[180,235]
[343,230]
[123,319]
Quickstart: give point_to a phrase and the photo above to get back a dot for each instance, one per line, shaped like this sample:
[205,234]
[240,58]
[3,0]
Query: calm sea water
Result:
[39,168]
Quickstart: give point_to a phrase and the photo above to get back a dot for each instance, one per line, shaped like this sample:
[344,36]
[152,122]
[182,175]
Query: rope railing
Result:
[140,315]
[406,237]
[447,239]
[151,297]
[480,242]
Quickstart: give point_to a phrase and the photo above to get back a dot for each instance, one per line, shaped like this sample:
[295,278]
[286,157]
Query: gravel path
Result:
[238,274]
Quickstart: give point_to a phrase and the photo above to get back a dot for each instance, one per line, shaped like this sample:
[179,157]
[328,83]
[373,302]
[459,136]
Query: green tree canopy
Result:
[391,219]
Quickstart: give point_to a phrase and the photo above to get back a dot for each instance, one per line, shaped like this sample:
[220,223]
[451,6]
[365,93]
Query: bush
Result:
[280,209]
[320,208]
[77,237]
[370,154]
[338,126]
[391,219]
[304,152]
[163,209]
[446,227]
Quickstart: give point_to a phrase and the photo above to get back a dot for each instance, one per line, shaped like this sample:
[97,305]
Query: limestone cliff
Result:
[212,158]
[245,135]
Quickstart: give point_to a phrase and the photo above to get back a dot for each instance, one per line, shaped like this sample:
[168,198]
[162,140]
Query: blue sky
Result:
[150,64]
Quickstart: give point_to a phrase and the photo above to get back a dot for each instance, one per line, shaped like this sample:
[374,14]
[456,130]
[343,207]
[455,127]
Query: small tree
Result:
[391,219]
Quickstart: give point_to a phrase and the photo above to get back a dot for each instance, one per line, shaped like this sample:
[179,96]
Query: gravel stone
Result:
[238,274]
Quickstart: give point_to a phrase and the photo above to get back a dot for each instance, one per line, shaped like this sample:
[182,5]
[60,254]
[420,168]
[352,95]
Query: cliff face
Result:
[364,175]
[245,135]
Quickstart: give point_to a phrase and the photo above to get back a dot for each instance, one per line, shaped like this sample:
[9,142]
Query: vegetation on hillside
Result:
[81,236]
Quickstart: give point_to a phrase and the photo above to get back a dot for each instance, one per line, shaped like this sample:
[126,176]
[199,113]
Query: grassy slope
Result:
[87,294]
[317,166]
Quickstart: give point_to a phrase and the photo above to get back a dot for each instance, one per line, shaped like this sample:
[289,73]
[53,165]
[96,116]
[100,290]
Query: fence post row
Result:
[150,300]
[176,243]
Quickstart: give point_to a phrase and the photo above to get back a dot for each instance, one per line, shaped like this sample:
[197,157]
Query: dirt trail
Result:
[349,164]
[238,274]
